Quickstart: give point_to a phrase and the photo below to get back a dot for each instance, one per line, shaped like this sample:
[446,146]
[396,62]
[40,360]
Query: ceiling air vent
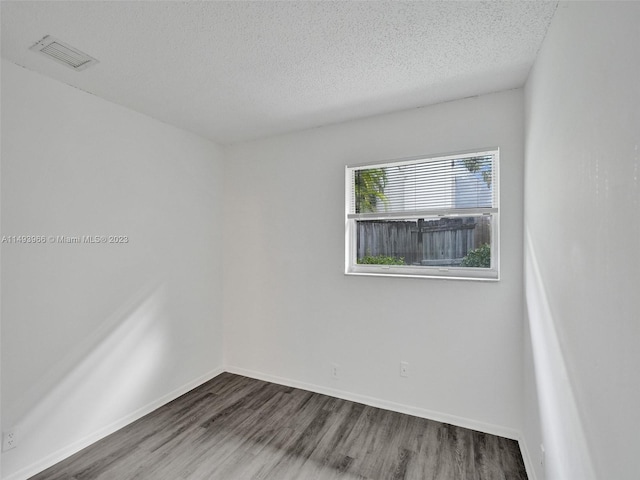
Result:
[63,53]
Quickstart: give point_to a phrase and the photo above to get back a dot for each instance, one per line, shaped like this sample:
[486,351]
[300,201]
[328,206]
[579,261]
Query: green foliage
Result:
[381,260]
[480,257]
[476,164]
[369,189]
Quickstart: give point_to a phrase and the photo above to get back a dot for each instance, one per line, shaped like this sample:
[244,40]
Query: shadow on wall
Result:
[564,438]
[103,378]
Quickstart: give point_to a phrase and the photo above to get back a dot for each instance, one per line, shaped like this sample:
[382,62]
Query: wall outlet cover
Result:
[9,440]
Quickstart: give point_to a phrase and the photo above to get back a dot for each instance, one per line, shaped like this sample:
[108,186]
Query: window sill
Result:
[483,275]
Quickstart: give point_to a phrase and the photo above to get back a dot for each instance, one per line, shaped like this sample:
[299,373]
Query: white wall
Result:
[531,442]
[94,334]
[290,311]
[582,239]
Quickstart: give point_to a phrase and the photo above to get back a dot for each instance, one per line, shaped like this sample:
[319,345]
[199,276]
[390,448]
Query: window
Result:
[424,217]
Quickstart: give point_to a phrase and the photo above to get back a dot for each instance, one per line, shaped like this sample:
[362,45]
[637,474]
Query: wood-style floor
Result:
[237,428]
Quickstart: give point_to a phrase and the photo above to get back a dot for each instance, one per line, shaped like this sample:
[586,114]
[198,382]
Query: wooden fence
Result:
[445,241]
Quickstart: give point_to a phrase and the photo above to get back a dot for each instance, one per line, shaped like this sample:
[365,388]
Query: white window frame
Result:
[415,271]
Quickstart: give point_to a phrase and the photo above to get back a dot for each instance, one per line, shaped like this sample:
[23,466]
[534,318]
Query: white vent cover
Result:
[63,53]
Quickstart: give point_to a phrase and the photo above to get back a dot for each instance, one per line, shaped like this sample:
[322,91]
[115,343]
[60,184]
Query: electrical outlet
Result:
[542,459]
[9,440]
[404,369]
[335,371]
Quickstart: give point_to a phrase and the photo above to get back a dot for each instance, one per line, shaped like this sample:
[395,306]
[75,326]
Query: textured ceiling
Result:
[232,71]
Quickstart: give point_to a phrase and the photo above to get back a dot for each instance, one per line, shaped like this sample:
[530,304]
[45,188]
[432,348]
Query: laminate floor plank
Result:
[238,428]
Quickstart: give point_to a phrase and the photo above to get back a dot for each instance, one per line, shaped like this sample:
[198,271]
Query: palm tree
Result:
[480,164]
[369,189]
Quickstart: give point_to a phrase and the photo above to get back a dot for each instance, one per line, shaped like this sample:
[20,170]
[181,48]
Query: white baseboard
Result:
[75,447]
[384,404]
[526,457]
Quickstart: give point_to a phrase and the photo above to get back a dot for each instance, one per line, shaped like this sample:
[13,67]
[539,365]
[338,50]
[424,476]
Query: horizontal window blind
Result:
[446,185]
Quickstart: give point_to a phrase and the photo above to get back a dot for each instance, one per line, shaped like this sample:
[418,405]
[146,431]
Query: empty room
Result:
[328,240]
